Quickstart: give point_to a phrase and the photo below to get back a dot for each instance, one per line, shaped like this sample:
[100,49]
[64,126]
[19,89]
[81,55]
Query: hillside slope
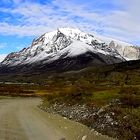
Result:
[68,49]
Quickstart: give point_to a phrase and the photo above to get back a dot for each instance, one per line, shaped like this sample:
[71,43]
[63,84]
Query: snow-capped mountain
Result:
[70,43]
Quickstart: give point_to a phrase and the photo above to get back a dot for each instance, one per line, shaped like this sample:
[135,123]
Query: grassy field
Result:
[126,112]
[114,89]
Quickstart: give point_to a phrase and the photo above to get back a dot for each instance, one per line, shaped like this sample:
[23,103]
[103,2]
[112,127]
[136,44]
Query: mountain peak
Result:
[69,30]
[69,42]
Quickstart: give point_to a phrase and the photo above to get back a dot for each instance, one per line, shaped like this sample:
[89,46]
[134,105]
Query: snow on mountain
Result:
[70,42]
[2,57]
[127,50]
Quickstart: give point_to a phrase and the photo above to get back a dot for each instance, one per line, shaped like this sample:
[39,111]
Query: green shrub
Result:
[129,90]
[130,96]
[130,100]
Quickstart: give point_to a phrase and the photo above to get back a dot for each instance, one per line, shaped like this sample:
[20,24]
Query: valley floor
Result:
[21,119]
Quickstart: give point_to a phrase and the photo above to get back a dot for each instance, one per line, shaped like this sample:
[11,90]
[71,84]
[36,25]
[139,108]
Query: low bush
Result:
[130,100]
[129,90]
[130,96]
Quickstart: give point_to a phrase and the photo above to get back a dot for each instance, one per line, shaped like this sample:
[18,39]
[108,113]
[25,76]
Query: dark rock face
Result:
[64,64]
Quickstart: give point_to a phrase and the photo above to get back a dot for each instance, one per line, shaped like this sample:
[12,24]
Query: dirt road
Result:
[21,119]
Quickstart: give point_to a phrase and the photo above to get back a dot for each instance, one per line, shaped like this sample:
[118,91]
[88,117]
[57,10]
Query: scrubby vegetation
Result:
[115,112]
[111,97]
[130,96]
[106,99]
[16,90]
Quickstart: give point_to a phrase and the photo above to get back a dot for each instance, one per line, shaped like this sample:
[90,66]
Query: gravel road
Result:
[21,119]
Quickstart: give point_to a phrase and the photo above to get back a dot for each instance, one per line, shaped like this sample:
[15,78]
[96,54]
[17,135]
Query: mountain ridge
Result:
[70,44]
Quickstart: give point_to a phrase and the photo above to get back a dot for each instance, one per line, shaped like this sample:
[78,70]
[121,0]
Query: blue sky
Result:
[23,20]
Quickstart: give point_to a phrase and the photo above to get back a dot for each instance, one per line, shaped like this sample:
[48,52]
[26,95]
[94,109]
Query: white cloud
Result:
[35,18]
[2,56]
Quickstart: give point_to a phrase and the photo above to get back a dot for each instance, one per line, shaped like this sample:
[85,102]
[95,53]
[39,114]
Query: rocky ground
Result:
[21,119]
[96,118]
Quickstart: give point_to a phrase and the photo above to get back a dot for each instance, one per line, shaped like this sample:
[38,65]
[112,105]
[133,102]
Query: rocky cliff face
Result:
[128,52]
